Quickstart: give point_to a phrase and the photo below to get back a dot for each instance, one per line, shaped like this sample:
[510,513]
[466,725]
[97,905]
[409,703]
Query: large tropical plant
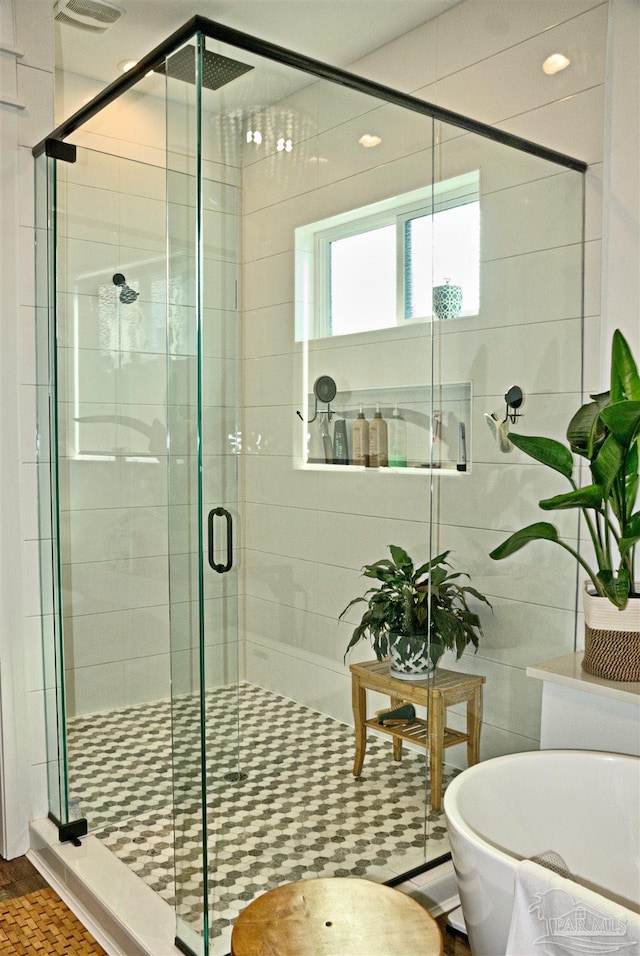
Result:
[605,432]
[400,605]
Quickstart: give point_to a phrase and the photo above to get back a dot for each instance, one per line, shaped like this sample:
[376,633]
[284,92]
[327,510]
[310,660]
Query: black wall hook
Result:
[514,399]
[324,390]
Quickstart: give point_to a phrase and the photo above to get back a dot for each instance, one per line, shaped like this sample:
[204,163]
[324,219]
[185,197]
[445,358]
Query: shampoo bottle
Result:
[462,448]
[397,440]
[378,448]
[315,447]
[360,440]
[340,446]
[325,434]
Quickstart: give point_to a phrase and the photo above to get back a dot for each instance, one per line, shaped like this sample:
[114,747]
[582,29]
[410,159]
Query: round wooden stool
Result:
[337,916]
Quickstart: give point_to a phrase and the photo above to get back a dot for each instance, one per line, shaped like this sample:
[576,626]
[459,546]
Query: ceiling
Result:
[337,32]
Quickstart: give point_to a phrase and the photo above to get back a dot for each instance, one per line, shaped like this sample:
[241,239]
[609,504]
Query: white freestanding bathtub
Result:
[581,804]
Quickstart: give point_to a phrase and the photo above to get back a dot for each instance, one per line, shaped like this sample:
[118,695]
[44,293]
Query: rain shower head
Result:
[217,70]
[127,295]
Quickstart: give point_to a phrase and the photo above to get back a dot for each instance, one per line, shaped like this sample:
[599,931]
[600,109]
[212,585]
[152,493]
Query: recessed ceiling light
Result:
[555,63]
[125,65]
[368,140]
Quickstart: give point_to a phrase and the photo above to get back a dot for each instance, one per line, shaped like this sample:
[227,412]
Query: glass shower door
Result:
[203,499]
[137,366]
[102,365]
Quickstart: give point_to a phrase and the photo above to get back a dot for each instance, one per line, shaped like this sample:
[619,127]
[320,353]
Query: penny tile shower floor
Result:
[299,812]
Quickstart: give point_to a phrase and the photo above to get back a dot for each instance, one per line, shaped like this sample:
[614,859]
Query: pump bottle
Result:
[360,440]
[397,440]
[378,442]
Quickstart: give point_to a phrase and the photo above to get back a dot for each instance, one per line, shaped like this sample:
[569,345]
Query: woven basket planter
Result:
[612,639]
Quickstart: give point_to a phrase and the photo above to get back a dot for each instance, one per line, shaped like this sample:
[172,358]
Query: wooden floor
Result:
[33,919]
[455,944]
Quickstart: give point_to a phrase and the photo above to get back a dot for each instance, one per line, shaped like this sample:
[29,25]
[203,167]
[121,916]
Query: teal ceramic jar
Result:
[447,300]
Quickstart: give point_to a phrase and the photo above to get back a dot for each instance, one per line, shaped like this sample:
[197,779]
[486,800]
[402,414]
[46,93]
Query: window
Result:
[361,280]
[375,267]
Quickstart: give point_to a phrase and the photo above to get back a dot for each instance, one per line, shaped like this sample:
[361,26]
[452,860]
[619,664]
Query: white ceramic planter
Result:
[410,658]
[612,638]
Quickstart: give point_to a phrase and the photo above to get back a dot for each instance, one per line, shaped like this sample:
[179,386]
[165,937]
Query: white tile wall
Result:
[621,221]
[402,133]
[533,216]
[281,673]
[481,31]
[114,519]
[34,122]
[572,125]
[540,356]
[473,91]
[307,539]
[401,174]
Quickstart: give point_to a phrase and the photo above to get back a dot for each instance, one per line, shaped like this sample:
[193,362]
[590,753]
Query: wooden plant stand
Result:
[436,694]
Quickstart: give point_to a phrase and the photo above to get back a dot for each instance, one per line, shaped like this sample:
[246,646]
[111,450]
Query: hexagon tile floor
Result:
[282,802]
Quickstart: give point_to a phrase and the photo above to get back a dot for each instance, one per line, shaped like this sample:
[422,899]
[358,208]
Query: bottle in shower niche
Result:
[315,446]
[325,435]
[378,441]
[340,443]
[360,440]
[397,432]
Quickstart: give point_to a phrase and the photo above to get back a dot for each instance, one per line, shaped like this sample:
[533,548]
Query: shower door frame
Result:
[244,41]
[48,494]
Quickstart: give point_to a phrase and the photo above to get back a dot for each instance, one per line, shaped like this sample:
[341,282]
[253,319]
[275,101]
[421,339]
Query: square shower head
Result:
[217,70]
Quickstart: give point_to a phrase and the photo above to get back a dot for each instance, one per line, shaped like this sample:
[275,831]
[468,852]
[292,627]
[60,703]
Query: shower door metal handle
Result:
[222,513]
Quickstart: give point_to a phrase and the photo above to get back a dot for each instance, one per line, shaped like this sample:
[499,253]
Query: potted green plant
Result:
[605,432]
[415,614]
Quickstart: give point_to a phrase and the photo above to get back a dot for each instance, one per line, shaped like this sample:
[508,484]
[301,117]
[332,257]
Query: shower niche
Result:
[198,703]
[434,425]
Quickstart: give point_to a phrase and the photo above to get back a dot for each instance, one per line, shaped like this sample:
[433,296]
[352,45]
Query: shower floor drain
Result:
[236,776]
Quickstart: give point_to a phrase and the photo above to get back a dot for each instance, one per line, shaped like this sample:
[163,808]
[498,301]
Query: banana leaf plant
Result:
[605,432]
[400,604]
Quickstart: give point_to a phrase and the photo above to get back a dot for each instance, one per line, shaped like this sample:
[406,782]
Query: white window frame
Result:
[395,211]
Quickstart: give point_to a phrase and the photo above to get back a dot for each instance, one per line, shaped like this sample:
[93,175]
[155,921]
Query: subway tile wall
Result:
[308,533]
[115,384]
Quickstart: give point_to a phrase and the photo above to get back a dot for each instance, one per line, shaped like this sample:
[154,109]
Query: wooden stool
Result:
[336,916]
[436,694]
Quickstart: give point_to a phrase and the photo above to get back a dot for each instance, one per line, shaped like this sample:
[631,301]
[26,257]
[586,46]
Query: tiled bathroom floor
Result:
[299,812]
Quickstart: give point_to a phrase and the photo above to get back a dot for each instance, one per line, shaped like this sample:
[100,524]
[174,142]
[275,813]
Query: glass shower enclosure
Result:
[240,251]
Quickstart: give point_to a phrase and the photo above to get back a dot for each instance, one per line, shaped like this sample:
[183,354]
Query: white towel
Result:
[553,916]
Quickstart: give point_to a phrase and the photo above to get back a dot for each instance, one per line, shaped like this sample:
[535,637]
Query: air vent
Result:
[95,16]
